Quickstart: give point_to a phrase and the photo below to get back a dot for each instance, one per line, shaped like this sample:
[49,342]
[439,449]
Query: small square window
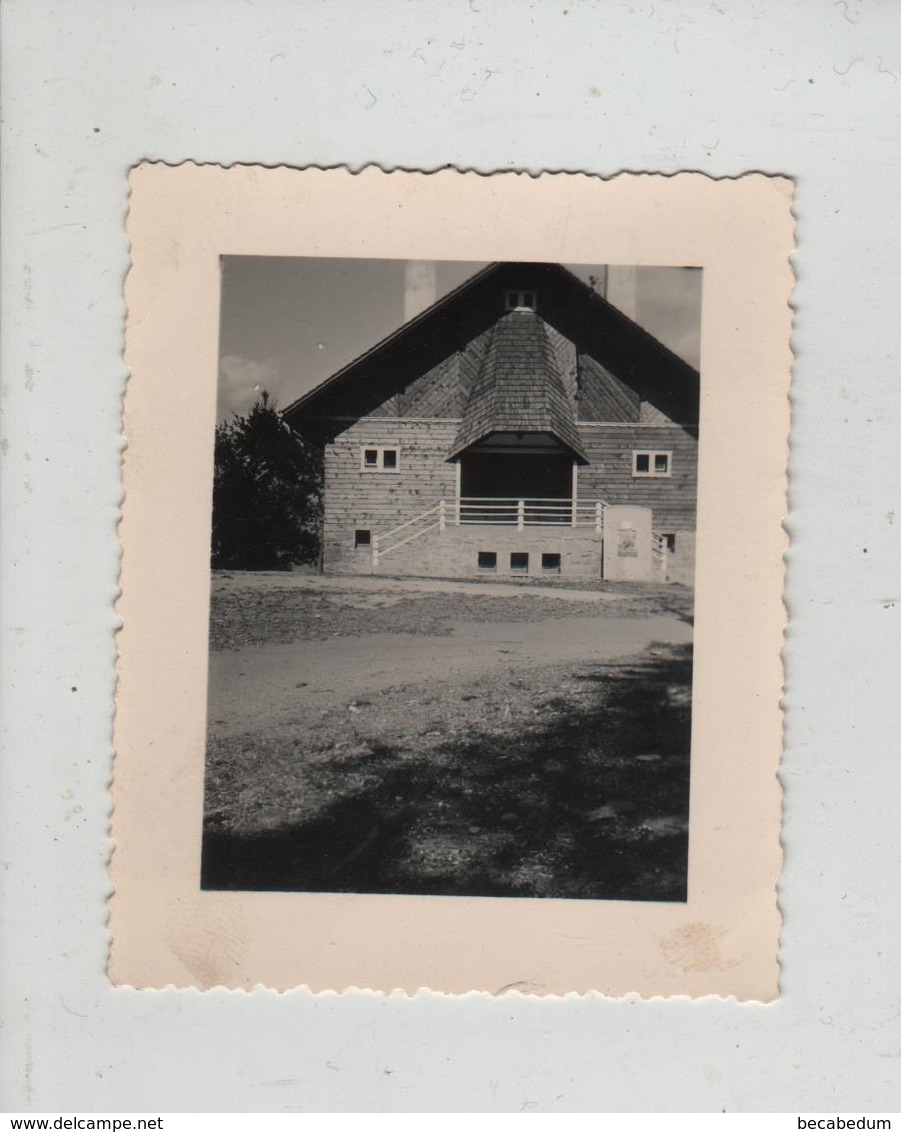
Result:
[487,560]
[550,563]
[520,300]
[519,562]
[362,537]
[669,541]
[652,464]
[380,458]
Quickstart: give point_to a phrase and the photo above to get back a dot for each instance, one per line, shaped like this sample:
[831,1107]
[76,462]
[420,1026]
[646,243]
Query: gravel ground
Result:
[554,782]
[247,611]
[546,780]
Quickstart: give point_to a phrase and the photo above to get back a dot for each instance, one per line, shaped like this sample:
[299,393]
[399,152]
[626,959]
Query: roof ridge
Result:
[551,363]
[554,389]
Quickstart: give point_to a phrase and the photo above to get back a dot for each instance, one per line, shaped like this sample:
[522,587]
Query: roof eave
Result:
[402,331]
[461,449]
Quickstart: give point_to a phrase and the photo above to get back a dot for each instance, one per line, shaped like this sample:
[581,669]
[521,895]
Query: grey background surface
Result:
[808,89]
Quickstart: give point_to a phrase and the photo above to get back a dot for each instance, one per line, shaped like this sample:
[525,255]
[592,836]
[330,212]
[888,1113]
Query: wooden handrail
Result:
[409,538]
[409,522]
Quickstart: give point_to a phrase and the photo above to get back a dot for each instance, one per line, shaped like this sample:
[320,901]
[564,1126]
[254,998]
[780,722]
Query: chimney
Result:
[420,287]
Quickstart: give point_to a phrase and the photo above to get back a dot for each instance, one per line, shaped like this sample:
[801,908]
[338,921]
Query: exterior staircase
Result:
[453,536]
[508,515]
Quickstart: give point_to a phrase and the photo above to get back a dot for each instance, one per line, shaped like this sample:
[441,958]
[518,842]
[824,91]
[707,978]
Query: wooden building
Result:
[520,425]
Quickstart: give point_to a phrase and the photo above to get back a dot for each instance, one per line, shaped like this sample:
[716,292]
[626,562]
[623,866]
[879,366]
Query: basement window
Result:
[362,537]
[487,561]
[519,562]
[379,458]
[519,301]
[550,563]
[651,464]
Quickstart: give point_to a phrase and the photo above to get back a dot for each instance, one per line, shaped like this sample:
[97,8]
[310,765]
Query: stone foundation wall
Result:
[455,553]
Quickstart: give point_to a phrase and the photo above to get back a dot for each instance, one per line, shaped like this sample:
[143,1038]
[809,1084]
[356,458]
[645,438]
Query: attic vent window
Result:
[520,301]
[651,464]
[379,458]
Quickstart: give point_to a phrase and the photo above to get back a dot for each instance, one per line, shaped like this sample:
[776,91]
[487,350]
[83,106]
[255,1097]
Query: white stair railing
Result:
[379,547]
[518,512]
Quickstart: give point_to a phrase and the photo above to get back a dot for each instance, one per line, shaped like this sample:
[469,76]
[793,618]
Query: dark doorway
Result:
[517,475]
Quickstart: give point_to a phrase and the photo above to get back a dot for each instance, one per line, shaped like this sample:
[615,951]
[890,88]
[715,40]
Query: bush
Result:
[267,493]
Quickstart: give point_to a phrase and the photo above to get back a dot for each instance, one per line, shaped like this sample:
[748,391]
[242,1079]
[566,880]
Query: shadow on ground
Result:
[590,803]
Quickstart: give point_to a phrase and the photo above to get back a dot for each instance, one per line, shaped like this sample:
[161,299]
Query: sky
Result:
[288,323]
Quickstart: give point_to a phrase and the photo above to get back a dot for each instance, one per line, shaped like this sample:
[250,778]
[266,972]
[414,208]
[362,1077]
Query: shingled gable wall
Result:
[421,414]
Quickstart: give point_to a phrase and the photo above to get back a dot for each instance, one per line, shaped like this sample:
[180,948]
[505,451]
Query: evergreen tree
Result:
[267,493]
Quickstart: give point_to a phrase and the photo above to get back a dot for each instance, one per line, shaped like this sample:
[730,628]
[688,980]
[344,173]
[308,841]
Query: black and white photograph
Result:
[452,591]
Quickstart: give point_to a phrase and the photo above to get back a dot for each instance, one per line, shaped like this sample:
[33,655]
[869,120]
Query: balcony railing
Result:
[526,512]
[490,511]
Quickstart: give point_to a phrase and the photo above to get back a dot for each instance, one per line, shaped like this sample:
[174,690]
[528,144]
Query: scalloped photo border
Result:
[166,931]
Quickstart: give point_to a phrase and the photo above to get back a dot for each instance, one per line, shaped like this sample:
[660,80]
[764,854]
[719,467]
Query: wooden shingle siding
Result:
[567,359]
[602,396]
[608,476]
[380,501]
[650,414]
[519,387]
[470,361]
[443,390]
[435,394]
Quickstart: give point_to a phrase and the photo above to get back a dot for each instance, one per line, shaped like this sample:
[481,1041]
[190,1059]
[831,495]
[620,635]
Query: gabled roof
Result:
[518,388]
[623,348]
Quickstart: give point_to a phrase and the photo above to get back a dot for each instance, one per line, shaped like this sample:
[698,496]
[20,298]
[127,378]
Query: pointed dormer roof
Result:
[518,388]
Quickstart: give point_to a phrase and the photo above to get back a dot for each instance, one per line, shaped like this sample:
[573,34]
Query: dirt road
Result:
[269,685]
[380,590]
